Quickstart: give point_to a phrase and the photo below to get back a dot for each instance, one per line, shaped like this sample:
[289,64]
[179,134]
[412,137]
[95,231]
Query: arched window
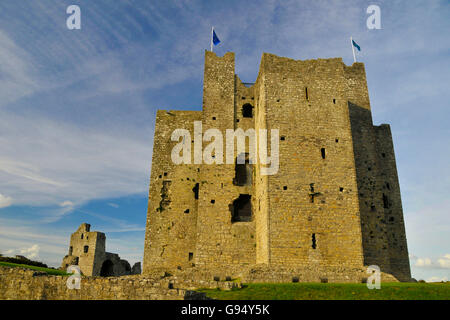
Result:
[107,269]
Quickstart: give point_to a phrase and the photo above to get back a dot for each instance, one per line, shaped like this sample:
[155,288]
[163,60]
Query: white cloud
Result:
[437,279]
[5,201]
[67,204]
[114,205]
[444,262]
[423,262]
[32,252]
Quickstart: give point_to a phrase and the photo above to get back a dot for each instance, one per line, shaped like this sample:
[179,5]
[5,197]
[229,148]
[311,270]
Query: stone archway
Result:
[107,269]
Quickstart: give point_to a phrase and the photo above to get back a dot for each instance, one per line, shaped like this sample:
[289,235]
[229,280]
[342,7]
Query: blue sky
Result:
[77,107]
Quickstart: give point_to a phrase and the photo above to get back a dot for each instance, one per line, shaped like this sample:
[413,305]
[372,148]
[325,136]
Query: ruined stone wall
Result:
[23,284]
[172,208]
[392,205]
[221,242]
[261,182]
[83,240]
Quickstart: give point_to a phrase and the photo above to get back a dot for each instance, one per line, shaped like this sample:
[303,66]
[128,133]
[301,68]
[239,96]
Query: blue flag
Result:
[356,45]
[216,40]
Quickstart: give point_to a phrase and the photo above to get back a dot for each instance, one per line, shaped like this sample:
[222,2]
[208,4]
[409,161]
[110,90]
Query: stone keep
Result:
[335,201]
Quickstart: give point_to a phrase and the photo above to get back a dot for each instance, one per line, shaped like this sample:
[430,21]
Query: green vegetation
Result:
[22,260]
[334,291]
[54,272]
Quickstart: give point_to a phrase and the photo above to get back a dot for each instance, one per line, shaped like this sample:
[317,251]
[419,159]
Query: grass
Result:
[48,270]
[334,291]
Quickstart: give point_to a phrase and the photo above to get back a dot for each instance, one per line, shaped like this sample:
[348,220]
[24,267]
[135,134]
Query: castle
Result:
[87,250]
[332,208]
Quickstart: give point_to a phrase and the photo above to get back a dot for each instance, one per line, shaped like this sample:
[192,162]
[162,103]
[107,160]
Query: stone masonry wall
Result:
[314,214]
[23,284]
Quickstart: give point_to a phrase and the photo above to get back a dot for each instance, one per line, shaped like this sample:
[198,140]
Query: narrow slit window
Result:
[314,244]
[385,201]
[195,190]
[322,152]
[306,93]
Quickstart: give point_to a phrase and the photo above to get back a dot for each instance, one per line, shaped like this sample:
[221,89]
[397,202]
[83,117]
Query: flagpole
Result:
[353,49]
[212,35]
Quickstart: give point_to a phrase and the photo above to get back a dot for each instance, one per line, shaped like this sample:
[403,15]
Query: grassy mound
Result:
[54,272]
[334,291]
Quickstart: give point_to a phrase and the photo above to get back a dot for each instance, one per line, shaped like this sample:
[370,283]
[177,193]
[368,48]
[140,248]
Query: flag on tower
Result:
[354,45]
[214,38]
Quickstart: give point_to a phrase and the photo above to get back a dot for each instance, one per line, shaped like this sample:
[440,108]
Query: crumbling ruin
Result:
[87,250]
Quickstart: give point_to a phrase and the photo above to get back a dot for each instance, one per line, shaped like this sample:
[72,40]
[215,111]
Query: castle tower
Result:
[87,251]
[333,203]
